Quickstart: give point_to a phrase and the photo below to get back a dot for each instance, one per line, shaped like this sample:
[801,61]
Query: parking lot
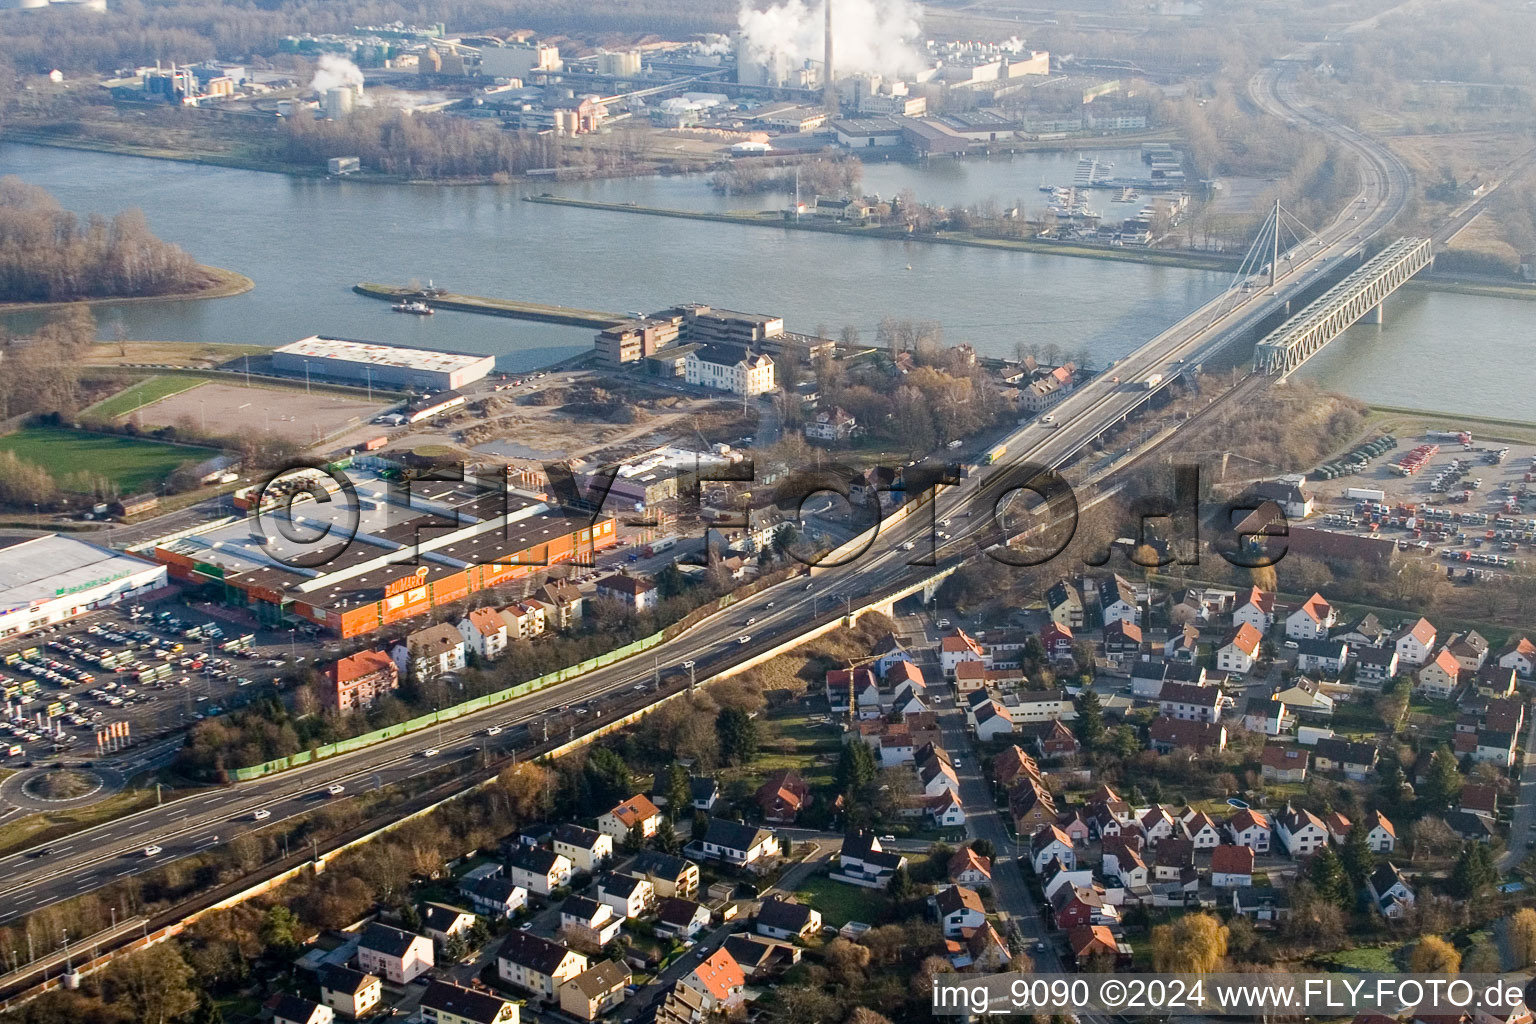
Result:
[154,668]
[1470,504]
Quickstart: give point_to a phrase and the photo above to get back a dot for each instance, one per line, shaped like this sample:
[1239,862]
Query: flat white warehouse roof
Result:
[317,347]
[43,568]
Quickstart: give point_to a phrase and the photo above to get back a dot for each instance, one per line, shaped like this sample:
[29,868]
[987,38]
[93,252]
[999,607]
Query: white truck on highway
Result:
[1152,381]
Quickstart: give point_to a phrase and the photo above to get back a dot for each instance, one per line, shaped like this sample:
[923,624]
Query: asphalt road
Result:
[116,850]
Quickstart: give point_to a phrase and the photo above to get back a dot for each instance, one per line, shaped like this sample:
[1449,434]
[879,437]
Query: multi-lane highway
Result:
[95,857]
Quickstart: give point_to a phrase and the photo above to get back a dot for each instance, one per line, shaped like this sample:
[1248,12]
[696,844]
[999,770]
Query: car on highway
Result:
[335,789]
[262,815]
[744,639]
[151,850]
[430,752]
[1047,420]
[751,622]
[494,730]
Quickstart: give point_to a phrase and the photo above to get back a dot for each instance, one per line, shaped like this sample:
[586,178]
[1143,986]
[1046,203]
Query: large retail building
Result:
[53,577]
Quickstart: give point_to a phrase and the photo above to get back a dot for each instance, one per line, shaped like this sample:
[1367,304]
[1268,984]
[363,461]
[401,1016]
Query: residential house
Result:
[1048,844]
[681,918]
[1355,760]
[1470,649]
[563,602]
[981,949]
[944,810]
[497,897]
[1280,763]
[958,909]
[446,1003]
[633,592]
[1440,677]
[1374,666]
[1312,620]
[587,850]
[782,796]
[348,992]
[537,965]
[1520,655]
[1076,905]
[595,991]
[1321,655]
[761,957]
[781,919]
[1415,643]
[1366,631]
[1157,824]
[1495,747]
[1095,944]
[1301,832]
[957,647]
[524,620]
[1240,650]
[291,1009]
[1050,740]
[428,653]
[1122,859]
[1166,735]
[1390,891]
[1066,604]
[1032,807]
[1231,866]
[990,721]
[737,844]
[1122,639]
[484,630]
[1182,645]
[394,955]
[1338,827]
[1256,608]
[862,861]
[967,867]
[589,924]
[1381,834]
[1148,675]
[1261,903]
[669,875]
[360,680]
[1190,702]
[538,870]
[1012,764]
[627,895]
[1199,829]
[1479,798]
[1025,706]
[1305,698]
[637,810]
[1117,601]
[719,979]
[1493,680]
[1294,499]
[1057,640]
[1471,827]
[1250,828]
[442,922]
[831,426]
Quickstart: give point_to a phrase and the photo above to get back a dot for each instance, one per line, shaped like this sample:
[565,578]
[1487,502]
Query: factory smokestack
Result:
[829,81]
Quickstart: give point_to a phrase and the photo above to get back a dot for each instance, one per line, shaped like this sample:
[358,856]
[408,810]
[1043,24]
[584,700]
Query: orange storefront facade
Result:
[414,592]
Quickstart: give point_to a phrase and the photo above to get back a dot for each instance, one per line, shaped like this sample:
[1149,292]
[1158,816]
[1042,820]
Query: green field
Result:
[132,463]
[136,396]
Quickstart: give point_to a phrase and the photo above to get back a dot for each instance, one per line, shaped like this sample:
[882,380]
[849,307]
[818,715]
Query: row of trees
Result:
[391,141]
[47,254]
[816,176]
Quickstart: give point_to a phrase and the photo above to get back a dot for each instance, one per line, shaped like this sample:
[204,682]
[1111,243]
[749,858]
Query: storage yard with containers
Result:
[1469,504]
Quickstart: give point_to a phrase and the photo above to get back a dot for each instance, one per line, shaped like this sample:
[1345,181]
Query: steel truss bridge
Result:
[1358,295]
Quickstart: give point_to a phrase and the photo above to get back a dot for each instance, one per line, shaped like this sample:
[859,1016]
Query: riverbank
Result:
[1488,289]
[1121,254]
[569,316]
[222,283]
[1410,422]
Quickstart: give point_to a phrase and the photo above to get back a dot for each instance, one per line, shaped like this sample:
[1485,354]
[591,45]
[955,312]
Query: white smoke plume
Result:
[335,71]
[875,37]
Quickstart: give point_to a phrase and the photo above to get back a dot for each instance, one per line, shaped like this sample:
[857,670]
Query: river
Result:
[305,242]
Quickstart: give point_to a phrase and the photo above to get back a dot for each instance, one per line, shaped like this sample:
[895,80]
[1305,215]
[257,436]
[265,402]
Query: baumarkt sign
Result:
[93,584]
[406,582]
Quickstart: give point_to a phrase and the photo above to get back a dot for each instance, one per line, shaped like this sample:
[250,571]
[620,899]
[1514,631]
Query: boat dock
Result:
[437,299]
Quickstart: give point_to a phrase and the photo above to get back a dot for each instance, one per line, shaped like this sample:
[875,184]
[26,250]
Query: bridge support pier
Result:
[1375,316]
